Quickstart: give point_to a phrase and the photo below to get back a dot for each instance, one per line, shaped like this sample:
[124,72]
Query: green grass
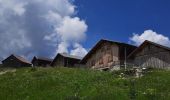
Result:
[82,84]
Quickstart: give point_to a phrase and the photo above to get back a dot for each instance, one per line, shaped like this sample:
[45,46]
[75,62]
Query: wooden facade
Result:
[107,54]
[150,54]
[41,61]
[65,60]
[16,61]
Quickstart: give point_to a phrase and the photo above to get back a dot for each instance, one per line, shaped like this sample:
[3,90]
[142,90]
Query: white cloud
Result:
[13,42]
[15,6]
[78,50]
[150,35]
[69,32]
[63,48]
[64,7]
[53,17]
[39,27]
[72,29]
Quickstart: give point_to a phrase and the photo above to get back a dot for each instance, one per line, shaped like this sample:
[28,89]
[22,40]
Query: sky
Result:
[47,27]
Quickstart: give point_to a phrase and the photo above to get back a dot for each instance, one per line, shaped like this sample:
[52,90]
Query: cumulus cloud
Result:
[78,50]
[150,35]
[71,31]
[62,47]
[13,6]
[39,27]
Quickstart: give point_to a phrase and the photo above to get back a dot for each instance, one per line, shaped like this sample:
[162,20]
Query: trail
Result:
[4,72]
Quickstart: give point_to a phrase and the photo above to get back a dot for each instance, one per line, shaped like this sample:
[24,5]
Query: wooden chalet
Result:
[41,61]
[107,54]
[65,60]
[16,61]
[150,54]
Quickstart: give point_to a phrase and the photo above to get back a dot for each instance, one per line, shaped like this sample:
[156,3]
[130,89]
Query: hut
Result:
[16,61]
[65,60]
[108,54]
[41,61]
[150,54]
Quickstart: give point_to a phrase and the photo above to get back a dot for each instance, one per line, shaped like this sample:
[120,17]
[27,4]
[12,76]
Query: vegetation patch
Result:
[82,84]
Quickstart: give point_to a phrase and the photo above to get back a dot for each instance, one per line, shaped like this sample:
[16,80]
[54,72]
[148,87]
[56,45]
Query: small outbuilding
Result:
[65,60]
[150,54]
[16,61]
[41,61]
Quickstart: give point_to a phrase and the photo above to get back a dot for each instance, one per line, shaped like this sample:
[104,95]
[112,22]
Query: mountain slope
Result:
[82,84]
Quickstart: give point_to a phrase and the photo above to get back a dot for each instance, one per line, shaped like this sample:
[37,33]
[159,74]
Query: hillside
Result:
[81,84]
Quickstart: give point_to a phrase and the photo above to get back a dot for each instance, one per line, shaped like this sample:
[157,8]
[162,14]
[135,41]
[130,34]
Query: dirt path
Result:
[4,72]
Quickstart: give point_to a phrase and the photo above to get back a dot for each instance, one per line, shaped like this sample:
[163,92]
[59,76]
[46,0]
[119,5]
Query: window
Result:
[102,49]
[108,48]
[109,52]
[110,58]
[92,63]
[101,61]
[149,47]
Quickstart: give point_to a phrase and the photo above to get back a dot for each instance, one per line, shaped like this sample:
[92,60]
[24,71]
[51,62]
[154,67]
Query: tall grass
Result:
[82,84]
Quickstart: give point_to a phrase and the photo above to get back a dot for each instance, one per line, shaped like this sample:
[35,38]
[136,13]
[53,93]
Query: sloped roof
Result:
[19,58]
[70,56]
[22,59]
[44,58]
[145,43]
[66,56]
[98,45]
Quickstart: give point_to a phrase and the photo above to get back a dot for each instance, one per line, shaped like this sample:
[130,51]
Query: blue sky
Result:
[47,27]
[119,19]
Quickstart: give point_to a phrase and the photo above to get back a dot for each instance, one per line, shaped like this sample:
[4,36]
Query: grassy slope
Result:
[72,84]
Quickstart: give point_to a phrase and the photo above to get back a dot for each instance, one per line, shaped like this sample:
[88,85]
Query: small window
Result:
[110,59]
[108,48]
[102,49]
[92,63]
[101,61]
[109,52]
[149,47]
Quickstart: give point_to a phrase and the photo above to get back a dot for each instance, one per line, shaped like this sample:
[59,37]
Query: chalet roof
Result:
[70,56]
[19,58]
[98,45]
[67,56]
[43,58]
[145,43]
[22,59]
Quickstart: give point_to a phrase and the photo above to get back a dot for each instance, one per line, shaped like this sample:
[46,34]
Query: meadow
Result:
[82,84]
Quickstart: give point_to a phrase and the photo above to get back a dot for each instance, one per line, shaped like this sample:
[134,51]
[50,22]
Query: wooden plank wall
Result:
[59,61]
[152,56]
[104,57]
